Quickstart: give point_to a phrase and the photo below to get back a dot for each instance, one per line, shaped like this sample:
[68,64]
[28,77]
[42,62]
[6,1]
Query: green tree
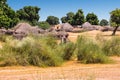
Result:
[115,19]
[8,16]
[4,20]
[64,19]
[30,14]
[52,20]
[103,22]
[92,18]
[44,25]
[79,17]
[68,18]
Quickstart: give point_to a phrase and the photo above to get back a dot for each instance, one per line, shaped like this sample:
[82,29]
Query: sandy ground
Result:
[92,34]
[71,70]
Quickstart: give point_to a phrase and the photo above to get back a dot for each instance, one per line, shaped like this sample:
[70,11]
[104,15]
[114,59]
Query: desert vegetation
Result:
[46,51]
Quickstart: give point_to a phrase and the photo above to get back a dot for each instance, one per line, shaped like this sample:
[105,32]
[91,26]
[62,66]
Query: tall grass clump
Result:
[3,37]
[66,50]
[89,52]
[111,47]
[30,51]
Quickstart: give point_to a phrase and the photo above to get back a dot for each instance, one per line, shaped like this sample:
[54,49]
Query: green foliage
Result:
[64,19]
[68,50]
[3,37]
[30,51]
[4,20]
[89,52]
[79,17]
[8,16]
[103,22]
[112,47]
[29,13]
[92,19]
[44,25]
[115,17]
[68,18]
[52,20]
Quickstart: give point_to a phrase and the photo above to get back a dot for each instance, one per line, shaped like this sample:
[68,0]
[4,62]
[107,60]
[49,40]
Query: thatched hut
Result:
[64,27]
[88,26]
[22,28]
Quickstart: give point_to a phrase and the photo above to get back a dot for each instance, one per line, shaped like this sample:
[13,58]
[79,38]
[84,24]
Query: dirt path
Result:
[69,71]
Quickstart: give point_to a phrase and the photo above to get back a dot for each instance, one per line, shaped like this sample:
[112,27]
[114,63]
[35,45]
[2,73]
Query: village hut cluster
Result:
[22,30]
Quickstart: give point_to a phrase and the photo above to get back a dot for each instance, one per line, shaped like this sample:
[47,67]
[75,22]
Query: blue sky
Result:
[59,8]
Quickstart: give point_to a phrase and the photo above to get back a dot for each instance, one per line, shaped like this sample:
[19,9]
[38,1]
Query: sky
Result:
[60,8]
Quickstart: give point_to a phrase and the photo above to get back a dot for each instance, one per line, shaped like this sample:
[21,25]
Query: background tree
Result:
[115,19]
[8,17]
[92,19]
[30,14]
[68,18]
[52,20]
[64,19]
[79,18]
[103,22]
[44,25]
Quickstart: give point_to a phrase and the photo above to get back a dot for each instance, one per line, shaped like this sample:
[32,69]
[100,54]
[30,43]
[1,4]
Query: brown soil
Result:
[71,70]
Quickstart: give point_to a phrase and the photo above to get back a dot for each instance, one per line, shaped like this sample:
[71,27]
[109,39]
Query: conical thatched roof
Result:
[22,28]
[66,27]
[26,28]
[36,30]
[86,24]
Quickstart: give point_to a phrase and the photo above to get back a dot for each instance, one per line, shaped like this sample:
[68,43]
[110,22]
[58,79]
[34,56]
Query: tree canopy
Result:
[79,18]
[104,22]
[92,19]
[29,13]
[52,20]
[44,25]
[8,17]
[68,18]
[115,19]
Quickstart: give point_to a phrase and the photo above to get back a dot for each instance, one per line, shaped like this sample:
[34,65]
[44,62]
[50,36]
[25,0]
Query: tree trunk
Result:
[114,31]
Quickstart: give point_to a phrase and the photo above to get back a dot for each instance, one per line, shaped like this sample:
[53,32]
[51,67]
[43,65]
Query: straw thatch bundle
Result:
[66,27]
[22,28]
[87,26]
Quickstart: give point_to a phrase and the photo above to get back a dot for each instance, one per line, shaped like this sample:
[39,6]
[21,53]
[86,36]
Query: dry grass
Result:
[71,70]
[92,34]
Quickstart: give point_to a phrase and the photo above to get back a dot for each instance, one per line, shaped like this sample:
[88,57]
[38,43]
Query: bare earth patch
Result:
[71,70]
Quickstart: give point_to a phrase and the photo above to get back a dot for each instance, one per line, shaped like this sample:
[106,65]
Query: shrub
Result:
[89,52]
[44,25]
[2,37]
[104,22]
[112,47]
[68,50]
[29,51]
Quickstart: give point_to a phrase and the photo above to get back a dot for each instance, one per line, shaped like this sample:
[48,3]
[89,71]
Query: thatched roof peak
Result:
[86,24]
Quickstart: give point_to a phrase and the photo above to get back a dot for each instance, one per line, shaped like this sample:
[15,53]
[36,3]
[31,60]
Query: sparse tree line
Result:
[9,18]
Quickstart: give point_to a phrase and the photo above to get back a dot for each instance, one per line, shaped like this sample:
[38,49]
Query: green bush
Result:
[2,37]
[29,51]
[89,52]
[68,50]
[44,25]
[112,47]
